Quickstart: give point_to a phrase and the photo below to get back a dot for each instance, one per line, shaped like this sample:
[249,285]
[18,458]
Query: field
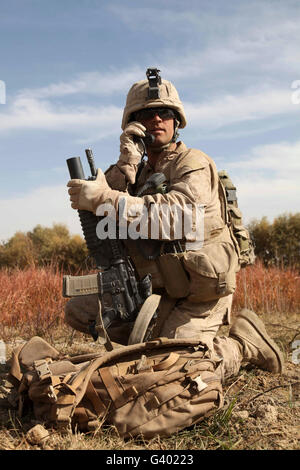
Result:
[261,410]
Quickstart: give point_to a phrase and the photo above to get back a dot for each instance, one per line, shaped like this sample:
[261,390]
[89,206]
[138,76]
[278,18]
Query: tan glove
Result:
[87,195]
[131,151]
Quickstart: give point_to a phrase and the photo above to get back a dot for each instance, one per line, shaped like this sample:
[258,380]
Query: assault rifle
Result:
[121,292]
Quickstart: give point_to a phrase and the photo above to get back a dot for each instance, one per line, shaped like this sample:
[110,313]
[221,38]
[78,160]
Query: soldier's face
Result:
[162,129]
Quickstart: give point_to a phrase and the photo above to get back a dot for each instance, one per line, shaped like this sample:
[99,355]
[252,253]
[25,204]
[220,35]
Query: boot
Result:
[256,345]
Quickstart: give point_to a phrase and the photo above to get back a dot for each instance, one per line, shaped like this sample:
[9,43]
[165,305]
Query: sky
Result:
[66,67]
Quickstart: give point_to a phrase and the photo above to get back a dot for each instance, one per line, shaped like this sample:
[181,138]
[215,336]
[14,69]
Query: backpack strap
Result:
[143,319]
[95,399]
[118,397]
[168,362]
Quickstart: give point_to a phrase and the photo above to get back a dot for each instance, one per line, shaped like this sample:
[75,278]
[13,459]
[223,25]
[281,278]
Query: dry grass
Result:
[31,300]
[268,290]
[31,303]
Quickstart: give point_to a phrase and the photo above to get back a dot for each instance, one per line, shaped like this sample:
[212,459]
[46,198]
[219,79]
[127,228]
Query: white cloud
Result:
[90,83]
[44,206]
[230,109]
[267,180]
[32,113]
[259,197]
[282,159]
[255,37]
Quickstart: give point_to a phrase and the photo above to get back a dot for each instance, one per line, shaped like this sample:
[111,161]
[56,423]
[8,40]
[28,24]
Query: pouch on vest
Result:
[233,217]
[175,278]
[212,271]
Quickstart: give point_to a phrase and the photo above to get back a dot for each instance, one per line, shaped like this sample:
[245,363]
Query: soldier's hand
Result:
[132,149]
[85,194]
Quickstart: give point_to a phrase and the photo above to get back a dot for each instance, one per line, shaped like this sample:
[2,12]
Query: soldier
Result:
[196,283]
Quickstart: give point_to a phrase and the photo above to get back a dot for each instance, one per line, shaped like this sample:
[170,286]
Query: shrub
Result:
[44,246]
[277,243]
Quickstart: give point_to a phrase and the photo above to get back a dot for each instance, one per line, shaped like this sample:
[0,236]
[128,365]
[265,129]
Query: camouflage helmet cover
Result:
[138,99]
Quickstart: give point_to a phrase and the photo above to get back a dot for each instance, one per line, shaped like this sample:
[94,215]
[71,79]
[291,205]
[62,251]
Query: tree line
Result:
[45,246]
[277,243]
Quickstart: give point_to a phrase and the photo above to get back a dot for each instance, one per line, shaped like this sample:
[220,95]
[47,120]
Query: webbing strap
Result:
[165,307]
[81,415]
[143,319]
[170,361]
[65,399]
[111,386]
[222,284]
[103,337]
[119,397]
[66,396]
[42,369]
[95,399]
[80,377]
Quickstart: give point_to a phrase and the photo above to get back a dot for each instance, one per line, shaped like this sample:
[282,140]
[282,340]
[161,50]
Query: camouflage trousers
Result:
[185,320]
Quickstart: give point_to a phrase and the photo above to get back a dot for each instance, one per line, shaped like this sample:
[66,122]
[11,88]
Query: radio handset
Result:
[147,140]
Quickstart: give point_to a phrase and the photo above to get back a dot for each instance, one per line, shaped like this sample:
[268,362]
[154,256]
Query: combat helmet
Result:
[151,93]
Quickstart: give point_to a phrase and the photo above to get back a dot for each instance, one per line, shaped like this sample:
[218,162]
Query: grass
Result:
[268,290]
[211,434]
[31,303]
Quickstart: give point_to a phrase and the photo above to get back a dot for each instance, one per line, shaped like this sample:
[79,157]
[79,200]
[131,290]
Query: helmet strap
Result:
[176,133]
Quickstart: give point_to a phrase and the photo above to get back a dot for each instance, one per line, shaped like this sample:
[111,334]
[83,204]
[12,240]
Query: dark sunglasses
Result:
[149,113]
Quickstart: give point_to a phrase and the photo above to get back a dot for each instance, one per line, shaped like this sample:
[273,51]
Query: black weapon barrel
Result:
[75,168]
[90,159]
[88,220]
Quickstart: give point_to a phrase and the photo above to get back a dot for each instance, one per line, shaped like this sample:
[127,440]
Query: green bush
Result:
[44,246]
[277,243]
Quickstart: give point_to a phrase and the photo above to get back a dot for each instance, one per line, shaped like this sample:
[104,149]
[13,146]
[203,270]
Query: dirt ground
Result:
[267,410]
[261,412]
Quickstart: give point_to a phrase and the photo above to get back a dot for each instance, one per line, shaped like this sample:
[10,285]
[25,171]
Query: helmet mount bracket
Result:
[154,80]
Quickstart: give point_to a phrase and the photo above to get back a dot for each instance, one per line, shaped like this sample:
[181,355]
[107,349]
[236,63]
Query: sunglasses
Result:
[149,113]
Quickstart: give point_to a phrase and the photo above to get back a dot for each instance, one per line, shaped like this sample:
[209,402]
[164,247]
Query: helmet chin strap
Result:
[161,148]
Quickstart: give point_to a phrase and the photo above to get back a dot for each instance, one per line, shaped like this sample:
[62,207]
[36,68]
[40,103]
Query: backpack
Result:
[233,218]
[152,388]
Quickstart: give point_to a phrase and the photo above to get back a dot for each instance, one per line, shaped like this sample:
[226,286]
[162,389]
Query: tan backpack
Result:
[154,388]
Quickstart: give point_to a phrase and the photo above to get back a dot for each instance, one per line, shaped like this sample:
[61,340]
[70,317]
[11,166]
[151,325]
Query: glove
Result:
[131,151]
[87,195]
